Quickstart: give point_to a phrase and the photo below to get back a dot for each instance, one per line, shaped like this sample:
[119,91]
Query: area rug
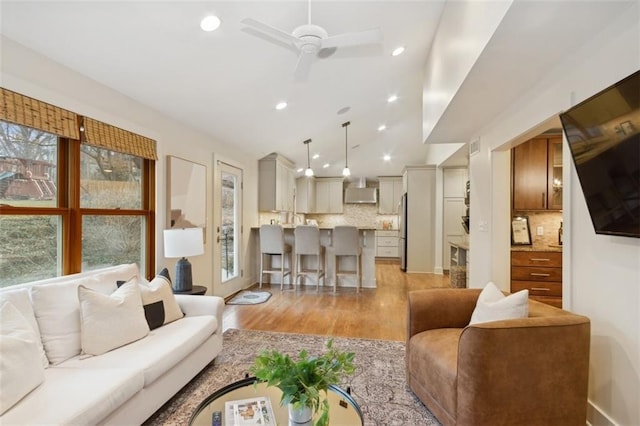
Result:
[247,297]
[378,385]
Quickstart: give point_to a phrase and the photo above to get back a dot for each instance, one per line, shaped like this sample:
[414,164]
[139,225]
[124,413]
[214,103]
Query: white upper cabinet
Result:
[306,195]
[329,195]
[390,194]
[276,183]
[455,181]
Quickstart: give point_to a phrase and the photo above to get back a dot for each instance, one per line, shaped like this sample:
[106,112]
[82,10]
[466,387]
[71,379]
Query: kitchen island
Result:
[367,242]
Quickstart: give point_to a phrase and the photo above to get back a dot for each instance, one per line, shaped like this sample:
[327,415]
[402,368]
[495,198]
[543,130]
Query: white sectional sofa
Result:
[122,386]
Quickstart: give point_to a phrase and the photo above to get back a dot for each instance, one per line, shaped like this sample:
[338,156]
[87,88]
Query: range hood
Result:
[358,193]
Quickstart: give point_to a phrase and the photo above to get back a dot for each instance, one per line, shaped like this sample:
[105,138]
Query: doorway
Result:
[228,210]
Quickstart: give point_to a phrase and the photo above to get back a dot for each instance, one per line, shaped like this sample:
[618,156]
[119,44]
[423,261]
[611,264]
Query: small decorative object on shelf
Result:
[560,234]
[304,383]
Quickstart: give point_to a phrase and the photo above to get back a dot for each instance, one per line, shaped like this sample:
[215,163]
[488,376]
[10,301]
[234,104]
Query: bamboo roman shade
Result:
[104,135]
[26,111]
[20,109]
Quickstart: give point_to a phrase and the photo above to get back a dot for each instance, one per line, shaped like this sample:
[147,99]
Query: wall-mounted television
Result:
[603,133]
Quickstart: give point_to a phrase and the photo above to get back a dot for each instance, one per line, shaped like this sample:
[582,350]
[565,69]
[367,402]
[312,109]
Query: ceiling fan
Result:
[309,39]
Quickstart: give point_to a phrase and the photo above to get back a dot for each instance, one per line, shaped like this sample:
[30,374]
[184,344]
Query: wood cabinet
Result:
[387,243]
[537,174]
[390,190]
[329,195]
[540,272]
[276,183]
[306,194]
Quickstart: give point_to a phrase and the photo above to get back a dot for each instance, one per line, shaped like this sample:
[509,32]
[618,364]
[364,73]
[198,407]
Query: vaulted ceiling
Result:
[226,83]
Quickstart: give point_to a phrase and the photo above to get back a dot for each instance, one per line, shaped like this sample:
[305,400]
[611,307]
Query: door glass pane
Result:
[28,166]
[229,235]
[109,179]
[112,240]
[30,248]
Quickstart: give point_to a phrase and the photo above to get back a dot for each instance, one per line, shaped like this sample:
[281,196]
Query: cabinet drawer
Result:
[387,242]
[532,273]
[538,288]
[387,252]
[387,234]
[536,258]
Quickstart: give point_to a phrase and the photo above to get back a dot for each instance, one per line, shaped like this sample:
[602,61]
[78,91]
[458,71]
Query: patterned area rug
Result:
[378,386]
[247,297]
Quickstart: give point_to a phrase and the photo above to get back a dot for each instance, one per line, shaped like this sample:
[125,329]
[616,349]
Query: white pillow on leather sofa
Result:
[493,305]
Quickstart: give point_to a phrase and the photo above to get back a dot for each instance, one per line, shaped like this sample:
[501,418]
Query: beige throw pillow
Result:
[108,322]
[493,305]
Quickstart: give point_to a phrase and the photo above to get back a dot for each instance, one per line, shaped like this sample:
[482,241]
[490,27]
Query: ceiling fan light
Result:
[346,172]
[210,23]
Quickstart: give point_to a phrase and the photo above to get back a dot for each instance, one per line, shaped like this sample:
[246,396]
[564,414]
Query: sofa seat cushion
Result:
[156,353]
[75,396]
[433,361]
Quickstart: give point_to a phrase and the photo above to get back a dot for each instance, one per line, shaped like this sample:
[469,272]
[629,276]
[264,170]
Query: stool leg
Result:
[261,268]
[358,274]
[282,272]
[335,274]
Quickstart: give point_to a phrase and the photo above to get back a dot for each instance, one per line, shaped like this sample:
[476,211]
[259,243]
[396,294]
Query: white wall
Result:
[31,74]
[601,273]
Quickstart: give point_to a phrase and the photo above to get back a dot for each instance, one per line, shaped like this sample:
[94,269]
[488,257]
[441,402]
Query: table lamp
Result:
[182,243]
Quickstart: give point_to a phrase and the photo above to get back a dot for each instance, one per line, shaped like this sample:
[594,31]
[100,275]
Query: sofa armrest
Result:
[538,362]
[439,308]
[195,305]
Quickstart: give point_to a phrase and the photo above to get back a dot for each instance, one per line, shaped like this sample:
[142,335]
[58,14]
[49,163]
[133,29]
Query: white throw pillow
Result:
[108,322]
[159,289]
[20,299]
[493,305]
[21,369]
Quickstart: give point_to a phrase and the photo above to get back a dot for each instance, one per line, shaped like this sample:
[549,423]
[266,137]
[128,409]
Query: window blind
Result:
[104,135]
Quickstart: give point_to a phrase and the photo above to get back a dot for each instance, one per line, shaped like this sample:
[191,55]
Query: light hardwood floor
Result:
[378,313]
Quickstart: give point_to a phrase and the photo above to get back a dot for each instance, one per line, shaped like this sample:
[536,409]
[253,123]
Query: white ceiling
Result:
[226,83]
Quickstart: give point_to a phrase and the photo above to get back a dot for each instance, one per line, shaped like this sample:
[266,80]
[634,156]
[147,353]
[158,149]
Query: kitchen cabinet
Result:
[390,190]
[420,183]
[276,183]
[387,243]
[306,195]
[540,272]
[329,195]
[453,209]
[537,174]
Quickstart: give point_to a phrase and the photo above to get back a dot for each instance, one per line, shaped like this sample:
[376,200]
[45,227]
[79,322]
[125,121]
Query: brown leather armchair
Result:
[529,371]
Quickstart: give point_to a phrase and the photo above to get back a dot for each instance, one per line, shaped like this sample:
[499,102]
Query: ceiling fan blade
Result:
[270,31]
[303,66]
[353,39]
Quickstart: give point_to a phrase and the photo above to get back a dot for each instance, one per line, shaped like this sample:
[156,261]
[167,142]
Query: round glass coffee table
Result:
[343,410]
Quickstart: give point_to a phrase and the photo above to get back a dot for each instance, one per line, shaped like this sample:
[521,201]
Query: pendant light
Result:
[346,171]
[309,171]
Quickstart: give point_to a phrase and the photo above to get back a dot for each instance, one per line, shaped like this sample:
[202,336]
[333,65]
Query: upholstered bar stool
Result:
[272,244]
[346,242]
[307,244]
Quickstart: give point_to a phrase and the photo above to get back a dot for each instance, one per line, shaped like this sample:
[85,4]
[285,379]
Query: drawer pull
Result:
[537,274]
[540,289]
[539,259]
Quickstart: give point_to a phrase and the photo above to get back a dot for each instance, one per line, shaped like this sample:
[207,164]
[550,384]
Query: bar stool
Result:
[272,244]
[346,242]
[307,243]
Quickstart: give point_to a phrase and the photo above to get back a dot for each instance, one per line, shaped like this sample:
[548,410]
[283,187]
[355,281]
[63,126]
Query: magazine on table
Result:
[252,411]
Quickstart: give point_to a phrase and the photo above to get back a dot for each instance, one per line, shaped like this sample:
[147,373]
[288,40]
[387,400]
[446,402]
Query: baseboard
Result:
[597,417]
[438,270]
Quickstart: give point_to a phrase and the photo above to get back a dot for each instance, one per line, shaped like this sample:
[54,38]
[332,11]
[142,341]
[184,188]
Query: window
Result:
[71,200]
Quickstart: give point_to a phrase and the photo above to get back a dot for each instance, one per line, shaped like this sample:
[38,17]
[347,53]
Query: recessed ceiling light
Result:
[315,156]
[381,127]
[210,23]
[325,165]
[397,51]
[281,105]
[392,98]
[300,170]
[387,157]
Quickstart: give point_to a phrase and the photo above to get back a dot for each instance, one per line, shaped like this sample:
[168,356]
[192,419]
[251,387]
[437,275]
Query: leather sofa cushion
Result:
[434,353]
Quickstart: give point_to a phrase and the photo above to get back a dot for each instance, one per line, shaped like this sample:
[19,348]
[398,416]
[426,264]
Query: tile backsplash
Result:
[549,221]
[361,215]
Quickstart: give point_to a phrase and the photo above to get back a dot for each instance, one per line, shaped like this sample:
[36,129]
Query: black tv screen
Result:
[603,133]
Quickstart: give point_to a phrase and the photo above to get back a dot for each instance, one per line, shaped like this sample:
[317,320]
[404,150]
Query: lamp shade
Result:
[183,242]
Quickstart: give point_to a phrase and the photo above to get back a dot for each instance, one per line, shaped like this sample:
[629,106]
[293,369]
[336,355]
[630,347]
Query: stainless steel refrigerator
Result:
[402,224]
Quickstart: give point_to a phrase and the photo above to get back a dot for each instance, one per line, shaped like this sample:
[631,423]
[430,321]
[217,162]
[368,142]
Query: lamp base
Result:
[183,281]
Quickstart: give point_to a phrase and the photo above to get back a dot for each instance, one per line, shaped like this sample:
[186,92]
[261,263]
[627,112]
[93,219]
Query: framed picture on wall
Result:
[520,231]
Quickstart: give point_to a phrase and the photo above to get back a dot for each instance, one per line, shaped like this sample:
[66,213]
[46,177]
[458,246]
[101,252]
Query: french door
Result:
[228,230]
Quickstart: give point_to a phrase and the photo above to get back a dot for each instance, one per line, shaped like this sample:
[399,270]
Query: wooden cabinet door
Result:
[530,168]
[554,190]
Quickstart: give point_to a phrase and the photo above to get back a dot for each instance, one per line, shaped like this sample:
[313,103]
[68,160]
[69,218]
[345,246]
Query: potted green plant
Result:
[304,382]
